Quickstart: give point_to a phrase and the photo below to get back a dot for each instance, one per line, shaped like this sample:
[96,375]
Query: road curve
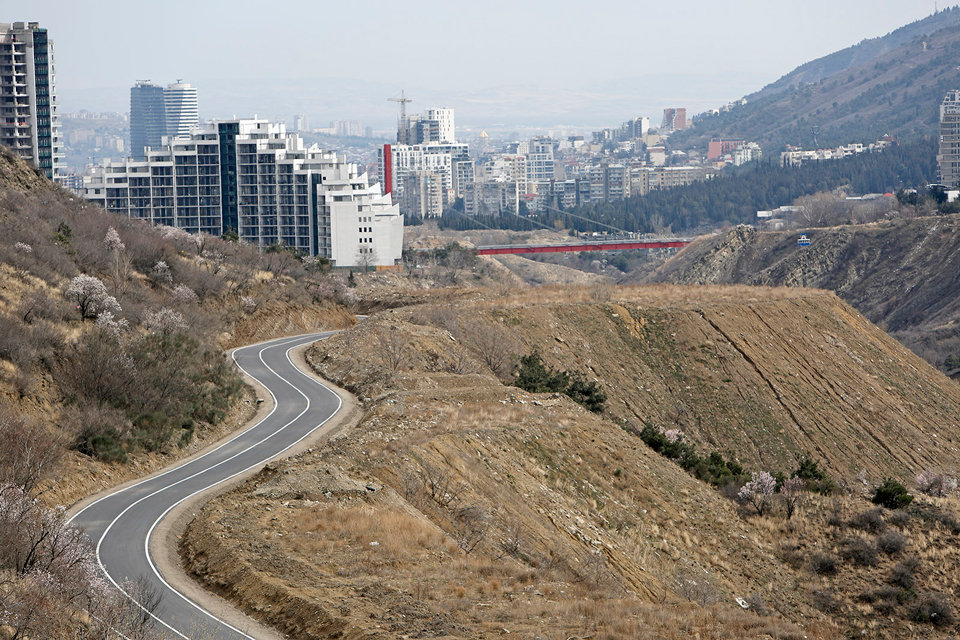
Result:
[120,524]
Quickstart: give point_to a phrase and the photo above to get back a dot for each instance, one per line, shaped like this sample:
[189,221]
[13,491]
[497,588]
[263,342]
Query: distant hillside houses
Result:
[735,152]
[795,156]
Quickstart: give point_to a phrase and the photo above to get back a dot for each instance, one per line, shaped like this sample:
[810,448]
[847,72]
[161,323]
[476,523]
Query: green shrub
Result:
[534,376]
[892,495]
[151,430]
[714,469]
[586,393]
[188,427]
[813,476]
[106,446]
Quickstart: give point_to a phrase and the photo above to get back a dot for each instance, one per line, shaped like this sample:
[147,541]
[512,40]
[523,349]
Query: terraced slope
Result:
[901,274]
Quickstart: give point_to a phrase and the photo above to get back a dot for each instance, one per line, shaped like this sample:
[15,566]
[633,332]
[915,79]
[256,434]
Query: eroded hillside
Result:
[901,274]
[460,507]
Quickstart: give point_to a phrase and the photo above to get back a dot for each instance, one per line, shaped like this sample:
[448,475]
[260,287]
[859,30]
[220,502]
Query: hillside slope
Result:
[463,508]
[112,332]
[900,274]
[891,85]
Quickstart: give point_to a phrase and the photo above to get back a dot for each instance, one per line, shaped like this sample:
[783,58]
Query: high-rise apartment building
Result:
[635,128]
[148,122]
[441,128]
[252,177]
[29,122]
[433,126]
[181,109]
[426,144]
[949,157]
[540,160]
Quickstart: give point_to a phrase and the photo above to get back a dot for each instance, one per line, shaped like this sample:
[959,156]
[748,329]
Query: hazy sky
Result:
[446,46]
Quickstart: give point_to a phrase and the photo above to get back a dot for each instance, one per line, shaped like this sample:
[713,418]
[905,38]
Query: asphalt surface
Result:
[120,525]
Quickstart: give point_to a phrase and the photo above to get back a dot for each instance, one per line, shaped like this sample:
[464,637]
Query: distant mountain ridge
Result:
[862,53]
[888,85]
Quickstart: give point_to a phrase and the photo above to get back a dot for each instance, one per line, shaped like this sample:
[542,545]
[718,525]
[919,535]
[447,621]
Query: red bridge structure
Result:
[583,245]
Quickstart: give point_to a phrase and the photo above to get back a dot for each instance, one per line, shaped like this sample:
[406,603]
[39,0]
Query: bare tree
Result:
[394,347]
[513,539]
[495,345]
[441,486]
[29,453]
[791,492]
[460,362]
[367,258]
[821,210]
[469,527]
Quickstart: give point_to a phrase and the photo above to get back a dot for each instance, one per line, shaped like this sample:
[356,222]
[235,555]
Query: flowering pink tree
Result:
[935,483]
[165,321]
[52,586]
[91,297]
[759,491]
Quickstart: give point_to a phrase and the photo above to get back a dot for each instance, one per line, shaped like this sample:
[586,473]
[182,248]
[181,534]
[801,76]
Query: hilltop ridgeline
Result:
[889,85]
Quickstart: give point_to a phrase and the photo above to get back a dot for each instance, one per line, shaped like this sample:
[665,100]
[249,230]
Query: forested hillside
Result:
[891,85]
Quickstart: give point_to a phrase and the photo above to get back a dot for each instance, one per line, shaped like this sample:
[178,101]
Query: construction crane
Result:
[403,100]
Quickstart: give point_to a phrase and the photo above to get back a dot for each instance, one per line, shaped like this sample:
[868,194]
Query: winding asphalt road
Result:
[120,524]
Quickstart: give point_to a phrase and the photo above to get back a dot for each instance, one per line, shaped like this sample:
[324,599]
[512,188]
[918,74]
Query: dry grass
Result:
[579,483]
[491,594]
[391,535]
[655,295]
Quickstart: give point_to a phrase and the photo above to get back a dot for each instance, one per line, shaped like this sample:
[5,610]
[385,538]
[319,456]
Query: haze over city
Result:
[535,63]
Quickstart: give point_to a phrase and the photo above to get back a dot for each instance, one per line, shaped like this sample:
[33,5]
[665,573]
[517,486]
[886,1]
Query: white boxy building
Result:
[252,177]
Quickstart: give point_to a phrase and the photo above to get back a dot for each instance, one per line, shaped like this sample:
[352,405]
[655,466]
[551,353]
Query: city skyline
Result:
[371,55]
